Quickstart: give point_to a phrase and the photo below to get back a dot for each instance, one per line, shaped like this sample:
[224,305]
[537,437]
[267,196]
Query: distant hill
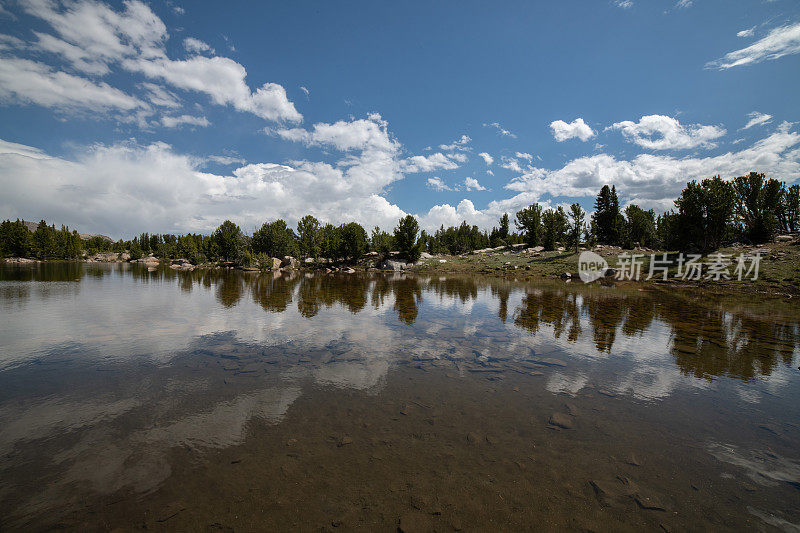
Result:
[33,225]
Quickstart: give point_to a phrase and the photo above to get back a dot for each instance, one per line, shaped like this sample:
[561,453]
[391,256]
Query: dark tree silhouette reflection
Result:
[706,338]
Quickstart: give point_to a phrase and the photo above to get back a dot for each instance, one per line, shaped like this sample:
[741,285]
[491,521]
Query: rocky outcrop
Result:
[290,262]
[276,263]
[150,260]
[181,264]
[390,264]
[103,258]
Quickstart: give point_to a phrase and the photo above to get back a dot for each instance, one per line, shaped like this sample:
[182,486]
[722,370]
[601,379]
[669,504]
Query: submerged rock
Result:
[413,522]
[548,361]
[601,491]
[632,460]
[561,420]
[649,502]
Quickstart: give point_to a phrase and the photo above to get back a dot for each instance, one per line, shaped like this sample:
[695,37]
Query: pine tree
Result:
[577,223]
[529,221]
[308,236]
[405,238]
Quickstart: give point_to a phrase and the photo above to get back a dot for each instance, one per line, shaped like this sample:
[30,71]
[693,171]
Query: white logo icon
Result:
[591,266]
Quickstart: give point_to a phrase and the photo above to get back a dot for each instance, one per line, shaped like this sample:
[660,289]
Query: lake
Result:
[222,400]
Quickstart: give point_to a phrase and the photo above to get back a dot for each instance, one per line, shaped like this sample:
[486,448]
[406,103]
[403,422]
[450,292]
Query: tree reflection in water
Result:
[707,338]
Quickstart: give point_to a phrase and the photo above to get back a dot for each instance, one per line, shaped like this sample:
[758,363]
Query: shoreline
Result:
[779,269]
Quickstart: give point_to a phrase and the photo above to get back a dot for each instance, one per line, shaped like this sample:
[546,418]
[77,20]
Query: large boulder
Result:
[393,265]
[290,262]
[276,263]
[103,258]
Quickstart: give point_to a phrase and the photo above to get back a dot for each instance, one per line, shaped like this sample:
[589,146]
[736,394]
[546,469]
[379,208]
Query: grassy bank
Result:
[779,269]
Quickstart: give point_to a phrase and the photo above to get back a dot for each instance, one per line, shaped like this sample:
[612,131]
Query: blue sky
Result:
[132,116]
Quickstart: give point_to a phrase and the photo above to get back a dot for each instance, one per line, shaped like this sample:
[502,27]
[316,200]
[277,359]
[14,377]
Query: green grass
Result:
[779,271]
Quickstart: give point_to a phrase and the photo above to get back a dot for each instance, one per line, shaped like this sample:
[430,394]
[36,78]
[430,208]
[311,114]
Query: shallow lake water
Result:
[230,401]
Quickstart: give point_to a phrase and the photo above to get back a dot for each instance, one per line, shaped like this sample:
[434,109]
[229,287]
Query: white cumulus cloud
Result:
[223,80]
[656,180]
[437,184]
[157,189]
[448,215]
[361,134]
[577,129]
[421,163]
[487,158]
[24,81]
[471,184]
[659,132]
[459,144]
[196,46]
[96,39]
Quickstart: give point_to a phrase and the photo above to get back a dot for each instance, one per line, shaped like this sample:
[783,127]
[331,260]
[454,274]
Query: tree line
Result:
[228,243]
[706,215]
[46,242]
